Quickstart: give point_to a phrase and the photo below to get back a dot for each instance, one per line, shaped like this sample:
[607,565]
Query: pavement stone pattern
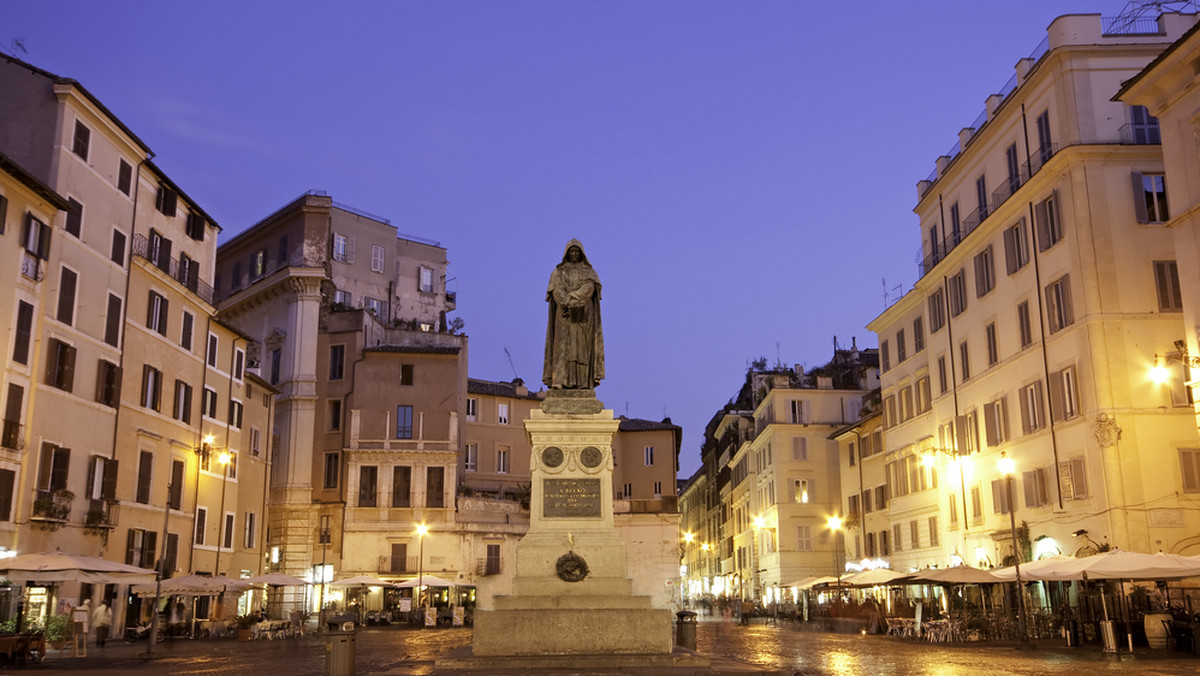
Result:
[783,649]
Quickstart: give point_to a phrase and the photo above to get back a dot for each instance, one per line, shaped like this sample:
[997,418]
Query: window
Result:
[404,422]
[981,196]
[332,465]
[472,409]
[1047,220]
[255,441]
[1023,325]
[1150,198]
[156,314]
[906,404]
[801,491]
[60,365]
[175,490]
[1058,304]
[112,321]
[1014,168]
[435,487]
[66,296]
[1064,395]
[406,374]
[914,535]
[145,476]
[166,201]
[995,418]
[1166,280]
[117,253]
[918,334]
[924,396]
[901,347]
[492,561]
[402,486]
[235,414]
[957,286]
[964,357]
[933,531]
[185,332]
[7,481]
[343,298]
[1072,479]
[140,546]
[851,456]
[953,510]
[339,248]
[1002,495]
[24,333]
[124,176]
[889,412]
[502,465]
[804,538]
[937,311]
[108,383]
[374,306]
[1189,469]
[1016,247]
[885,355]
[425,280]
[800,449]
[239,363]
[648,456]
[335,415]
[1143,127]
[955,224]
[1032,416]
[283,251]
[227,532]
[1034,483]
[208,403]
[884,549]
[657,489]
[976,504]
[871,545]
[35,238]
[502,414]
[182,408]
[74,223]
[81,140]
[993,350]
[249,540]
[212,350]
[258,263]
[471,457]
[800,411]
[985,272]
[201,524]
[1045,149]
[337,362]
[881,497]
[151,387]
[368,485]
[276,365]
[376,258]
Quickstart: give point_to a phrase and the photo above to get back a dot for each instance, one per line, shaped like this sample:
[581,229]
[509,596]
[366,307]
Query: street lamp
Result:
[755,585]
[1007,469]
[223,459]
[835,524]
[422,530]
[324,535]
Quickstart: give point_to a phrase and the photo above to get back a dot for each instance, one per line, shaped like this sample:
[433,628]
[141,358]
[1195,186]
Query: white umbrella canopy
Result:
[362,581]
[1116,564]
[1048,569]
[277,580]
[60,566]
[956,575]
[427,581]
[194,585]
[872,578]
[810,582]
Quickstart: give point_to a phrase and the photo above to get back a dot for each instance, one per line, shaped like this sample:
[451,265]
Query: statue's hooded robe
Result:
[574,338]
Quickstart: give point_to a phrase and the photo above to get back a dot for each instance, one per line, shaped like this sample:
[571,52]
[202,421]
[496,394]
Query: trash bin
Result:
[1108,634]
[685,629]
[339,650]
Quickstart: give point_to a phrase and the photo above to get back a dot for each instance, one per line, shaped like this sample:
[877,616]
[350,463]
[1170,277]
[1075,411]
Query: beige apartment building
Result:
[112,333]
[1167,89]
[866,528]
[1048,289]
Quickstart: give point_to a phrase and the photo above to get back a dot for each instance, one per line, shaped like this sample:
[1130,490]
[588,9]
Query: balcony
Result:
[1141,134]
[12,435]
[173,268]
[31,266]
[487,566]
[397,564]
[100,517]
[52,507]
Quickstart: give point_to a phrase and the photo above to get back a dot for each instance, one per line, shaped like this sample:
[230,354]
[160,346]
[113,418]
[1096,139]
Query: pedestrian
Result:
[101,622]
[747,608]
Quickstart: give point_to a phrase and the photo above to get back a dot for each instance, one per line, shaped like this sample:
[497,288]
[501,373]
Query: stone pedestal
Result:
[572,595]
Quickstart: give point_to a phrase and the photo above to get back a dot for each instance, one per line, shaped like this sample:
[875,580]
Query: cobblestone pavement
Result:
[411,652]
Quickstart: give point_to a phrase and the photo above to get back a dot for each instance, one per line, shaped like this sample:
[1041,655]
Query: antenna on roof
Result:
[510,363]
[18,45]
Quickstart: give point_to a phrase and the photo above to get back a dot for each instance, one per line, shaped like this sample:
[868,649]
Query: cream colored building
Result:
[1167,89]
[867,527]
[113,350]
[1047,289]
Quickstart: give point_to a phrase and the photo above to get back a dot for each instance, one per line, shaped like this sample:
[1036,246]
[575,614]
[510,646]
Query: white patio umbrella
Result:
[195,585]
[1116,564]
[277,580]
[362,581]
[872,578]
[810,582]
[427,581]
[956,575]
[61,566]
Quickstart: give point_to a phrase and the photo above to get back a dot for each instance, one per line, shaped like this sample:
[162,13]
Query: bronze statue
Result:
[574,339]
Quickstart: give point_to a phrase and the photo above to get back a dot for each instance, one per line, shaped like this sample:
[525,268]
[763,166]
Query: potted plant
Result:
[244,623]
[58,631]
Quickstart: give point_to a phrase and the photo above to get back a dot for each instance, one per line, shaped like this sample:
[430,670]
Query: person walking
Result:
[101,622]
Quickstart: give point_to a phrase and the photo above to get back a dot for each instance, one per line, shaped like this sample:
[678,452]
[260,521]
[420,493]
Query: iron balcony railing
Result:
[1141,134]
[487,566]
[184,274]
[397,564]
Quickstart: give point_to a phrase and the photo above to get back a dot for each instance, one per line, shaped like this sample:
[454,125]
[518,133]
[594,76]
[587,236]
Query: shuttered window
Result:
[1166,281]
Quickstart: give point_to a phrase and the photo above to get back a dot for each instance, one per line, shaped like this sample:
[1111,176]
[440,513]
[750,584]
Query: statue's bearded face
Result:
[574,255]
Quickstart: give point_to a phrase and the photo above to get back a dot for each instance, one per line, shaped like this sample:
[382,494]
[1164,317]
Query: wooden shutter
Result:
[112,325]
[91,476]
[108,482]
[164,255]
[149,546]
[175,494]
[350,244]
[3,220]
[1010,250]
[7,479]
[67,368]
[1065,485]
[1139,198]
[145,468]
[62,465]
[130,545]
[66,296]
[43,251]
[1057,406]
[1189,462]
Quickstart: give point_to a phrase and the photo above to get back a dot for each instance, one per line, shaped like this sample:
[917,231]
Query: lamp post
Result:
[324,535]
[422,529]
[223,459]
[1007,469]
[758,523]
[835,524]
[161,571]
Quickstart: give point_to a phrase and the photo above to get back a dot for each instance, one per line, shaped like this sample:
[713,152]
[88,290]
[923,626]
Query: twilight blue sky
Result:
[742,174]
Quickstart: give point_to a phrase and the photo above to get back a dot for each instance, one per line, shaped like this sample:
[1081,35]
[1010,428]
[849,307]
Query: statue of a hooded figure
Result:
[574,339]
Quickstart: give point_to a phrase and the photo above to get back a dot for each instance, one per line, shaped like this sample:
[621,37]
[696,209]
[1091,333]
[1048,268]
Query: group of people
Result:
[87,620]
